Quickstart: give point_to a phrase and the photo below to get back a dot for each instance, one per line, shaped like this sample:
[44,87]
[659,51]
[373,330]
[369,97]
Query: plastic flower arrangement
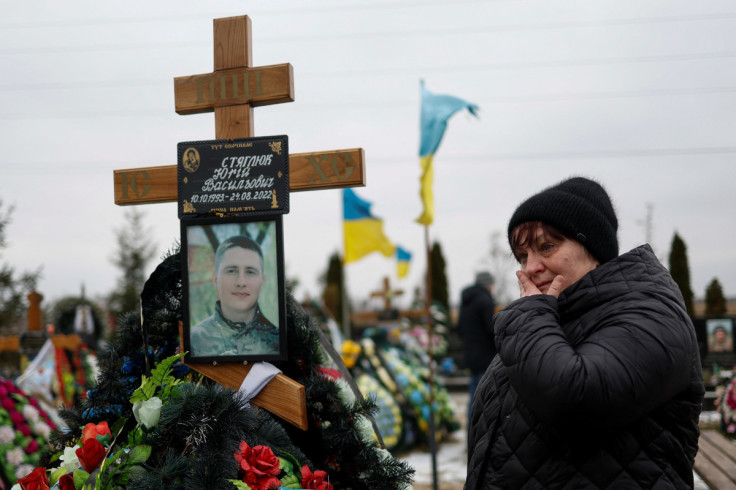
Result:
[98,460]
[24,430]
[261,469]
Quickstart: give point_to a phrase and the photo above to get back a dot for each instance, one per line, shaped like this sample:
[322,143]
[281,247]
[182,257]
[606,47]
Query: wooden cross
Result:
[364,318]
[231,91]
[387,293]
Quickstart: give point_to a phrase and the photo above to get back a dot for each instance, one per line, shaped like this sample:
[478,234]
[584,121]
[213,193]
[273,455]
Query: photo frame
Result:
[720,334]
[233,289]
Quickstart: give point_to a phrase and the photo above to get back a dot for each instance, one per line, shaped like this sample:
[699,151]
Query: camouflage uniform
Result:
[218,336]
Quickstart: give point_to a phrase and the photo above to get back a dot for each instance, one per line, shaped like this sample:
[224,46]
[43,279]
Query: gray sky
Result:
[638,95]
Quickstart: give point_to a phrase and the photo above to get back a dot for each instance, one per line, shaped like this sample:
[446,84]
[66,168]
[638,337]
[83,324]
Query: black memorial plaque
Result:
[239,177]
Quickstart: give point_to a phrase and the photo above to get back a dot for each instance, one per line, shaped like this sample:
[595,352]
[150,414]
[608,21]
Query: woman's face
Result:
[545,258]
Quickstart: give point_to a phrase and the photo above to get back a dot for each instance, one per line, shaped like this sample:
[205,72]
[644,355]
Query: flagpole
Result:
[430,331]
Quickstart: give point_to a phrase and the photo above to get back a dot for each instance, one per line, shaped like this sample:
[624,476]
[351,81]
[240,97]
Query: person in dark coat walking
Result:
[597,382]
[475,328]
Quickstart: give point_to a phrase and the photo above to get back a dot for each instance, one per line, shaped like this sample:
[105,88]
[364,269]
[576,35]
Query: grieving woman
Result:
[597,382]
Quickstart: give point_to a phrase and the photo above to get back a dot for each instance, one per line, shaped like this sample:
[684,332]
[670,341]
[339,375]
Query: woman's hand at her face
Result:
[527,287]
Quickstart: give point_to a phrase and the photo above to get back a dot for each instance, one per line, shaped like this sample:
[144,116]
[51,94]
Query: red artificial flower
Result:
[8,404]
[35,480]
[259,466]
[3,390]
[24,429]
[91,454]
[17,418]
[316,480]
[66,482]
[330,373]
[32,447]
[100,432]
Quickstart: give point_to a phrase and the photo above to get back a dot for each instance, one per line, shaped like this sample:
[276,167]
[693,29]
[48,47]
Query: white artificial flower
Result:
[42,429]
[7,434]
[69,458]
[30,413]
[14,457]
[147,412]
[23,470]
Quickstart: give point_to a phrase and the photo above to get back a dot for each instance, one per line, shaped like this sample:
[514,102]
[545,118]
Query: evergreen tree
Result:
[439,277]
[14,288]
[715,302]
[680,271]
[134,253]
[332,294]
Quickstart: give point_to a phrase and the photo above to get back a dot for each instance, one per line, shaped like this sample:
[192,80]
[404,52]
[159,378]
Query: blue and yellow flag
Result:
[363,231]
[403,257]
[436,111]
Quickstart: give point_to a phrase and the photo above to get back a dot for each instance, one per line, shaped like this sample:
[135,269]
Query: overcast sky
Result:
[638,95]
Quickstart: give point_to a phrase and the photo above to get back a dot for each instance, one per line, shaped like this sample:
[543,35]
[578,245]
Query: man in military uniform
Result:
[237,327]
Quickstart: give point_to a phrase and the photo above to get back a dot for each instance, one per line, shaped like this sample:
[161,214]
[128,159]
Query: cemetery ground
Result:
[452,453]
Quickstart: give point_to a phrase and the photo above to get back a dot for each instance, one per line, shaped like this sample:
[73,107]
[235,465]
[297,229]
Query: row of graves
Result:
[42,369]
[389,353]
[232,383]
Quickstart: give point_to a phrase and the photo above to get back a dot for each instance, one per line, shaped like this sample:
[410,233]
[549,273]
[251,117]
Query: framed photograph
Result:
[720,334]
[233,289]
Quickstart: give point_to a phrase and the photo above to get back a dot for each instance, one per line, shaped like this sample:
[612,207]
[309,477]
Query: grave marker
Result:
[231,92]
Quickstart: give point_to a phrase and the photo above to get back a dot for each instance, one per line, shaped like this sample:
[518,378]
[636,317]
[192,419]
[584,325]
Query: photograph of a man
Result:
[720,335]
[237,325]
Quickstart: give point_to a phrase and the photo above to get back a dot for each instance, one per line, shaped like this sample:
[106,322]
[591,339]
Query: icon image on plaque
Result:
[191,160]
[233,286]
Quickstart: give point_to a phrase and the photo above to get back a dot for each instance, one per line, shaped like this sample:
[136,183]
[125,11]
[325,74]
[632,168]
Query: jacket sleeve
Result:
[635,359]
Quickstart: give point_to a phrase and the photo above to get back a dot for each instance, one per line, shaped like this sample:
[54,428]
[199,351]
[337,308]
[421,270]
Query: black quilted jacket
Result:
[601,388]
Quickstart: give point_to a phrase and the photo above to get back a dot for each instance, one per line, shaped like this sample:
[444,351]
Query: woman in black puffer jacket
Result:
[597,382]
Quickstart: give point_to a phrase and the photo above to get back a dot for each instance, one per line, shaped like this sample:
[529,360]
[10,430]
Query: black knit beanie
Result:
[580,209]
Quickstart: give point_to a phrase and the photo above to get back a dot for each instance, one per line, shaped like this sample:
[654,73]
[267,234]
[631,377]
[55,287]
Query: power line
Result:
[368,72]
[372,104]
[403,33]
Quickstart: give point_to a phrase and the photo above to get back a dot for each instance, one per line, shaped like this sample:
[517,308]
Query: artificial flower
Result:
[23,470]
[259,466]
[91,454]
[148,412]
[330,373]
[316,480]
[66,482]
[14,456]
[16,418]
[8,404]
[69,458]
[42,429]
[7,435]
[100,432]
[36,480]
[24,429]
[30,413]
[32,447]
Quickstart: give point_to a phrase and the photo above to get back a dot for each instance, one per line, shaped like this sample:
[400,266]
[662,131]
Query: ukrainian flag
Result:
[436,111]
[363,231]
[403,257]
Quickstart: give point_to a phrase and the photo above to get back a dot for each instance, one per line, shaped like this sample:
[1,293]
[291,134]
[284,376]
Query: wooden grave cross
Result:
[387,293]
[231,91]
[388,313]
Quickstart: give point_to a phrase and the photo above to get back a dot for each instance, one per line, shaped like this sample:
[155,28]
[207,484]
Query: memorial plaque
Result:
[238,177]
